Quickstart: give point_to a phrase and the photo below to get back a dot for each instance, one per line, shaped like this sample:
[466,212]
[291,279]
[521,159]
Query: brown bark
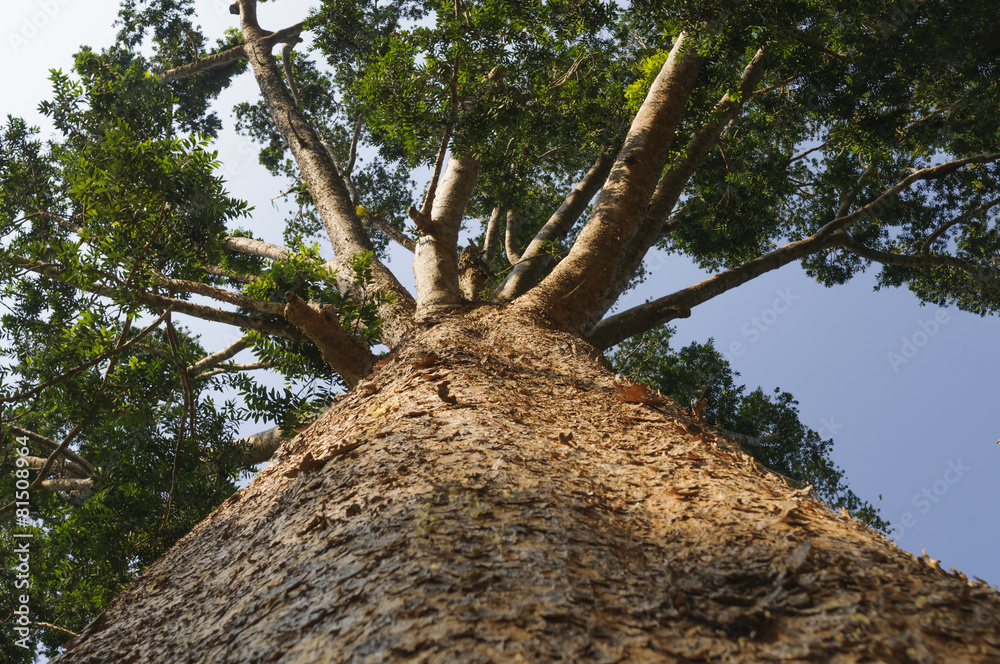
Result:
[567,297]
[349,355]
[492,494]
[473,273]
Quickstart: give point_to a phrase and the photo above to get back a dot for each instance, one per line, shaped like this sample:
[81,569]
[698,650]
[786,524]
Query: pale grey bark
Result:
[246,245]
[219,356]
[671,185]
[85,486]
[530,265]
[568,295]
[435,262]
[69,468]
[615,329]
[261,446]
[492,239]
[332,200]
[510,238]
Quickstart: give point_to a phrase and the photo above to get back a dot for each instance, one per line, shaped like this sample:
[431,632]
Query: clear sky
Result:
[908,393]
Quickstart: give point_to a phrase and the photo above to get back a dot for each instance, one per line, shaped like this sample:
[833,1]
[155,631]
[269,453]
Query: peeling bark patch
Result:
[595,531]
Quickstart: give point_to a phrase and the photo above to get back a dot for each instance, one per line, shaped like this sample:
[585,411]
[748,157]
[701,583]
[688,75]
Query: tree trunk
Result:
[492,493]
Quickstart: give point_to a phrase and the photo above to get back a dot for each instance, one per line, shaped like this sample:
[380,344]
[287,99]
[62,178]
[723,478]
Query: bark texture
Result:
[494,494]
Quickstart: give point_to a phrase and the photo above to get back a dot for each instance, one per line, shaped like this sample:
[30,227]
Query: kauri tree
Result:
[488,488]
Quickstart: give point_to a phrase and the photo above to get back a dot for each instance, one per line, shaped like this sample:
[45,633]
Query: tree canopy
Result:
[567,139]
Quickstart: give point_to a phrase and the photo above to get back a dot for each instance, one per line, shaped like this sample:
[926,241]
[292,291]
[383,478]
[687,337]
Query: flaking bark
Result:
[438,514]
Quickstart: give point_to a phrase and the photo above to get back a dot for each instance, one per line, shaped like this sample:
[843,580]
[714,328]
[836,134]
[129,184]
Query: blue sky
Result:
[909,393]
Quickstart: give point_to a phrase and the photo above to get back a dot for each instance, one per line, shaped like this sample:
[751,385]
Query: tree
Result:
[487,488]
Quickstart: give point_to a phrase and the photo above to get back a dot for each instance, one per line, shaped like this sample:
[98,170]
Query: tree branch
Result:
[249,246]
[85,485]
[435,261]
[86,365]
[347,354]
[492,239]
[235,368]
[843,222]
[261,446]
[510,238]
[329,194]
[671,185]
[922,261]
[962,218]
[568,295]
[615,329]
[532,263]
[390,231]
[52,445]
[71,468]
[222,295]
[219,356]
[224,57]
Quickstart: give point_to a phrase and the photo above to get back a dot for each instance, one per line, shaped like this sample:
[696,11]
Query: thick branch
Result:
[228,55]
[615,329]
[492,240]
[532,263]
[261,446]
[52,445]
[435,262]
[220,294]
[246,245]
[755,442]
[236,368]
[390,231]
[330,196]
[921,261]
[67,484]
[347,354]
[843,222]
[219,356]
[70,468]
[671,185]
[510,238]
[578,284]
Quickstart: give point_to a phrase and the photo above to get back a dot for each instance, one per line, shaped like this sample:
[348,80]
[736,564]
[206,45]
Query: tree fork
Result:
[330,196]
